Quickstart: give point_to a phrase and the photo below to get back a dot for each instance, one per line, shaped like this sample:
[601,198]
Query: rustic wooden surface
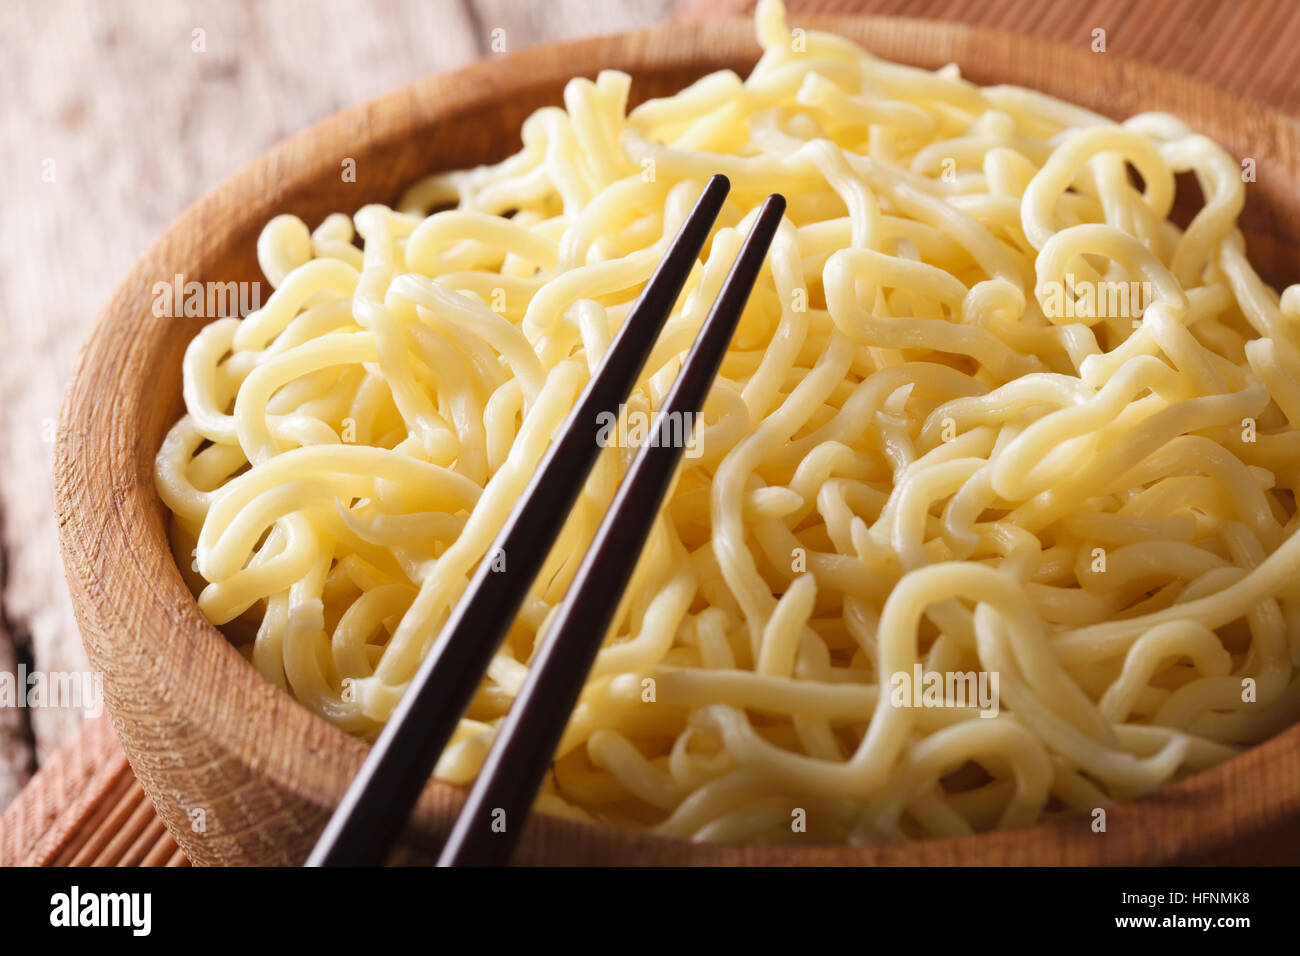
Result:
[138,125]
[206,735]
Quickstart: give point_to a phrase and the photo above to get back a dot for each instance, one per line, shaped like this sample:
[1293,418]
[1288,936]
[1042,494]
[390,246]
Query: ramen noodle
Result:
[988,518]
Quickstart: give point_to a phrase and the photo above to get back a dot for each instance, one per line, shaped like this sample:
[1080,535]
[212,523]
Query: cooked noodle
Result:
[940,437]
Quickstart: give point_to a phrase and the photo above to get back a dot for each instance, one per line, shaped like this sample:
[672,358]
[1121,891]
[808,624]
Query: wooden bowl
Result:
[240,772]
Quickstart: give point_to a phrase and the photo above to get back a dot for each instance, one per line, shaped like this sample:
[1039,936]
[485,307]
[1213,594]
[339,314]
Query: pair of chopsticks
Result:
[375,807]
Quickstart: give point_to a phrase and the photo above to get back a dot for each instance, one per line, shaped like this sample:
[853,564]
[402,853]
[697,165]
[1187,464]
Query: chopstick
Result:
[374,809]
[372,813]
[490,823]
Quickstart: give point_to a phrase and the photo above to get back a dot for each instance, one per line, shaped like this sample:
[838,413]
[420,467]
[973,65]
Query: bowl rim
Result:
[310,757]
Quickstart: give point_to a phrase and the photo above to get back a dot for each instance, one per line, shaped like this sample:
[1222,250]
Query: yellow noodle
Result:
[941,443]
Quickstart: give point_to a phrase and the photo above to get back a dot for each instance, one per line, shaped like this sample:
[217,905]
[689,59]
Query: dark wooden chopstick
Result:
[375,807]
[490,823]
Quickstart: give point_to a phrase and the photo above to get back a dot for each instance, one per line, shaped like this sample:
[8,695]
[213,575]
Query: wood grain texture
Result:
[137,124]
[85,808]
[204,731]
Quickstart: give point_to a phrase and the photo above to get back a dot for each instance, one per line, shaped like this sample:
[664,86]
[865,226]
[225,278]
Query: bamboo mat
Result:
[84,807]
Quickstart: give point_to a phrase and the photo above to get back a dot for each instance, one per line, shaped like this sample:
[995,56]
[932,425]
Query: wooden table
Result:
[119,114]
